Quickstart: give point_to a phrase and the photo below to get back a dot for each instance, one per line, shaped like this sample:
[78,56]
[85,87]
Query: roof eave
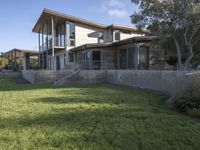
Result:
[67,17]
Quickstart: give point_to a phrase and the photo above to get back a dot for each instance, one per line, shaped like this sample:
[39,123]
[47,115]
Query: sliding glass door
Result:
[90,60]
[134,58]
[128,58]
[123,58]
[96,60]
[143,58]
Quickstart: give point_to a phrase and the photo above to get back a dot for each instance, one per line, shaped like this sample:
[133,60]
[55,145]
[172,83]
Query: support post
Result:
[15,68]
[47,40]
[42,48]
[39,65]
[12,61]
[52,30]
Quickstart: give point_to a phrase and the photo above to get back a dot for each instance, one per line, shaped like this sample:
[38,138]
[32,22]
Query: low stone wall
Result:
[84,77]
[29,75]
[81,77]
[172,82]
[41,76]
[9,74]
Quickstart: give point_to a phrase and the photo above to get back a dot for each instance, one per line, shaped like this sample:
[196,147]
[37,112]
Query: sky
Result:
[18,17]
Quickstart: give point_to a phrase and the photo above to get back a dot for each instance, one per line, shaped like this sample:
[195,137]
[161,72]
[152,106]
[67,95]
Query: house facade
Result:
[21,59]
[66,40]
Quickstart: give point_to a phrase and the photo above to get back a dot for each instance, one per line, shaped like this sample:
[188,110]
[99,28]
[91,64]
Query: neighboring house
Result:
[66,40]
[21,59]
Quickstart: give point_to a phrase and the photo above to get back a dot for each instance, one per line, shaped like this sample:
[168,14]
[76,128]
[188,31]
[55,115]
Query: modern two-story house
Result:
[66,40]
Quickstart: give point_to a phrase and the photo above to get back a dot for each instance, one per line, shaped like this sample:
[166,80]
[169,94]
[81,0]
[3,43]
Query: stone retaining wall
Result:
[172,82]
[83,76]
[9,74]
[42,76]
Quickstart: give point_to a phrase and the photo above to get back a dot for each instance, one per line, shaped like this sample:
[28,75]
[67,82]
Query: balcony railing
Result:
[58,42]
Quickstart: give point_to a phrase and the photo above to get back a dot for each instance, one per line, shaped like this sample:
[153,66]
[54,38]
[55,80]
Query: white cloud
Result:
[115,3]
[114,8]
[117,13]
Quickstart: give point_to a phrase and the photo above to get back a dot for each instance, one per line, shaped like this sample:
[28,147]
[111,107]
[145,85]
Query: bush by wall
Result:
[188,104]
[194,84]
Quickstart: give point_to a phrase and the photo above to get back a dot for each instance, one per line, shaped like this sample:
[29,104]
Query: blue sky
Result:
[17,17]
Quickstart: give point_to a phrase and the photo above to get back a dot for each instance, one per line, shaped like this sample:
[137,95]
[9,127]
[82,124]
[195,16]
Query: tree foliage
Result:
[178,18]
[3,62]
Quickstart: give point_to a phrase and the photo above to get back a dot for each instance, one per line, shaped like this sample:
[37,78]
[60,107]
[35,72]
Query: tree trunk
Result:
[190,48]
[179,55]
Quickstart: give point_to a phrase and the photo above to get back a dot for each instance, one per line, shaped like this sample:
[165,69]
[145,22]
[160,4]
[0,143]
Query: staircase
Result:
[63,76]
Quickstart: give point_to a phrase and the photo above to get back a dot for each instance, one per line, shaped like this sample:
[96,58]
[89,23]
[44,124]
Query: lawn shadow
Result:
[9,84]
[83,125]
[78,118]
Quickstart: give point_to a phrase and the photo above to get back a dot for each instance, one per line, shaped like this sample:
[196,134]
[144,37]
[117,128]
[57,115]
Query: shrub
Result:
[186,103]
[190,104]
[195,84]
[194,112]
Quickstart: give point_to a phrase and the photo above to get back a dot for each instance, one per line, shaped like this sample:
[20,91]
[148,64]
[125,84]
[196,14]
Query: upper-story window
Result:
[101,37]
[116,35]
[72,34]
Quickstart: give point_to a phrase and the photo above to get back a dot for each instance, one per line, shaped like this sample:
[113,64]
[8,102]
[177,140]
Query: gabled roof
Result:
[47,13]
[31,52]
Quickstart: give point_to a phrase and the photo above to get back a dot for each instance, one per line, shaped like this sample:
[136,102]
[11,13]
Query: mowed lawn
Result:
[90,117]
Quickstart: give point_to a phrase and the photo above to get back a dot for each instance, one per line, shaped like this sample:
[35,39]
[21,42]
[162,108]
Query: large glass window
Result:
[132,58]
[96,58]
[72,34]
[123,58]
[71,57]
[143,58]
[101,37]
[117,35]
[58,62]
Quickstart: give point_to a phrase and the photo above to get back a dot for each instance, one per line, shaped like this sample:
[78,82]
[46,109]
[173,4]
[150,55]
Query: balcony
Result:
[59,43]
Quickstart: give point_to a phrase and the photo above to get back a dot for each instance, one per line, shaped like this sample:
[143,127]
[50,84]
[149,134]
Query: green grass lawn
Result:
[43,117]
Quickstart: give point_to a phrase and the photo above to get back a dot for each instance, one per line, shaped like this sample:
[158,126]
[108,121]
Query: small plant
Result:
[194,112]
[195,84]
[190,103]
[184,103]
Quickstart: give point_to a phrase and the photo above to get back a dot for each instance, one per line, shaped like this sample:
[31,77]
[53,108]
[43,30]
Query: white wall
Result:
[124,36]
[82,32]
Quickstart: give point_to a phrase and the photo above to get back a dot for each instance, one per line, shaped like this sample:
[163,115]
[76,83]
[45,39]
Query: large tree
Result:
[180,19]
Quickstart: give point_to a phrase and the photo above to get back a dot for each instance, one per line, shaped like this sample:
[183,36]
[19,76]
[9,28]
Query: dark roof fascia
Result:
[119,43]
